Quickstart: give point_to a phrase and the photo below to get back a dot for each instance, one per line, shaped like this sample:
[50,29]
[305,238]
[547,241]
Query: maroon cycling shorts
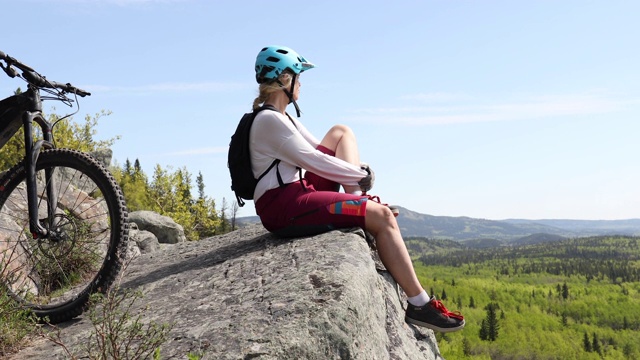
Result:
[302,209]
[318,182]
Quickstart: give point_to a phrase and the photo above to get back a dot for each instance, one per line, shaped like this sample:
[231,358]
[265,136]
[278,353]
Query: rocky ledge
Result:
[250,295]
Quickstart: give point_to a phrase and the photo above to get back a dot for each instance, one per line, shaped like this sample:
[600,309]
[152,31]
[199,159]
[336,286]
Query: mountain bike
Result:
[63,217]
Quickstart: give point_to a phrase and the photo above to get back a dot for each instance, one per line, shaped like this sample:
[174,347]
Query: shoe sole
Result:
[433,327]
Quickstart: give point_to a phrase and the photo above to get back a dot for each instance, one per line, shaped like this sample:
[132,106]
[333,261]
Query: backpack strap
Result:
[297,167]
[276,162]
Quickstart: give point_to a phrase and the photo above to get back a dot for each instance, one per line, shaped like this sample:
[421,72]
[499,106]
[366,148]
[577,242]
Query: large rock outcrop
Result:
[163,227]
[250,295]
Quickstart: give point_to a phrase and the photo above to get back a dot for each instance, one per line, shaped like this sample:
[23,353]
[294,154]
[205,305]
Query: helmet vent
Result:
[273,59]
[282,51]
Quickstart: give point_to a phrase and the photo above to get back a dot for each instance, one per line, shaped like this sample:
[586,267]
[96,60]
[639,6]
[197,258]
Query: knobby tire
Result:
[54,277]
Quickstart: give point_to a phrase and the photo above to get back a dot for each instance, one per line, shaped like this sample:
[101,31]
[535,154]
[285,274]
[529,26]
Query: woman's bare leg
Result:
[379,220]
[381,223]
[342,140]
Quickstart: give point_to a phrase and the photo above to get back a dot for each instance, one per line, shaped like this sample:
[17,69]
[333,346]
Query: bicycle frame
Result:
[26,108]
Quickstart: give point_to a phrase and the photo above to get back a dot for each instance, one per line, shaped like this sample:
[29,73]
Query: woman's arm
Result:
[280,139]
[308,136]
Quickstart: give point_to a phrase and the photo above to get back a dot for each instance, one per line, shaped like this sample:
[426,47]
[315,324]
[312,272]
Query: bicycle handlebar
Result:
[35,79]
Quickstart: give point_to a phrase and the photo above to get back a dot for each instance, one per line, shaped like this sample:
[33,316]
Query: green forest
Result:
[570,299]
[167,191]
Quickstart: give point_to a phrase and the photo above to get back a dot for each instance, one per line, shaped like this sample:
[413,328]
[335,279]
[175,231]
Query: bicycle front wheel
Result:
[87,228]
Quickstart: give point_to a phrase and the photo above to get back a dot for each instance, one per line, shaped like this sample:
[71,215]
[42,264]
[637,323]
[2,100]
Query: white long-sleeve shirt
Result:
[273,136]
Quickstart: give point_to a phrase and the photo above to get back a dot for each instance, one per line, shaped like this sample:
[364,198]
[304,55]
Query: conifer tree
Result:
[169,193]
[224,226]
[234,213]
[595,345]
[484,331]
[586,342]
[492,322]
[565,291]
[134,184]
[206,219]
[466,347]
[200,184]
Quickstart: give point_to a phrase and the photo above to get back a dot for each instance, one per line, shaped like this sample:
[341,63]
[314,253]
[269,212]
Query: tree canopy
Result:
[168,192]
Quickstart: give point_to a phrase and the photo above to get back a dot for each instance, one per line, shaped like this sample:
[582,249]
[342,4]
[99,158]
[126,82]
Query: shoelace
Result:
[440,307]
[376,198]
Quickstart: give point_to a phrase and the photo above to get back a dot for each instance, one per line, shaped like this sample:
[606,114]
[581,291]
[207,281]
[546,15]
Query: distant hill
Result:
[480,233]
[537,239]
[482,243]
[247,220]
[517,231]
[465,228]
[588,227]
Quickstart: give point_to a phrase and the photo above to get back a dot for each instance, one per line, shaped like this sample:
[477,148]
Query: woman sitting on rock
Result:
[291,205]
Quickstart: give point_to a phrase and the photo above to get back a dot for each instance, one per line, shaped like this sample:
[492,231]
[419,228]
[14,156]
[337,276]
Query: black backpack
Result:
[243,183]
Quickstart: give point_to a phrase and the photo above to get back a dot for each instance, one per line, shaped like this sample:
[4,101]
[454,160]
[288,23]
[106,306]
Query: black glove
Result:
[366,183]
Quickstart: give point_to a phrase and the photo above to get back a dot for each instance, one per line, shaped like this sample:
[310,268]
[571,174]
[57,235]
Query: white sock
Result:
[357,192]
[420,299]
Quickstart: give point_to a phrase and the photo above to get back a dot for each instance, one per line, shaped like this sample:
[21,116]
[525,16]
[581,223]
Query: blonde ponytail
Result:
[266,89]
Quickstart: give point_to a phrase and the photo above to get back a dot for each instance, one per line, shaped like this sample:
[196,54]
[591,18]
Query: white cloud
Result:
[462,109]
[434,97]
[169,88]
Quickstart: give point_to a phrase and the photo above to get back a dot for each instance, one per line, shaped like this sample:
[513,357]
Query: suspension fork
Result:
[32,151]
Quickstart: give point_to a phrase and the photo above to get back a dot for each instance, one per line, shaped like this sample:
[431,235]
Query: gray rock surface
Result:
[163,227]
[250,295]
[145,240]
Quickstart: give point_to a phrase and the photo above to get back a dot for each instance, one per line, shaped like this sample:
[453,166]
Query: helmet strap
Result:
[297,108]
[289,93]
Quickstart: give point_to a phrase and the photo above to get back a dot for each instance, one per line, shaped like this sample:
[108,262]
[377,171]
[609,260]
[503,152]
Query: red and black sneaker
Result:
[394,209]
[435,316]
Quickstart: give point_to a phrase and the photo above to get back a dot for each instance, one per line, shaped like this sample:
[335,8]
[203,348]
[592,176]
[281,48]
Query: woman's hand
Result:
[366,183]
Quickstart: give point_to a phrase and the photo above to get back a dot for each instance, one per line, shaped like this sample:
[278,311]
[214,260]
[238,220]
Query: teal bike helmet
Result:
[272,61]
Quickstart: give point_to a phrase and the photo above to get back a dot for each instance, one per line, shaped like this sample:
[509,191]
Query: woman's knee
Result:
[341,129]
[378,218]
[336,134]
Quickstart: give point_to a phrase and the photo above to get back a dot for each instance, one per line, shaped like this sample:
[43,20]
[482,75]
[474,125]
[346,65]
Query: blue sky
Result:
[487,109]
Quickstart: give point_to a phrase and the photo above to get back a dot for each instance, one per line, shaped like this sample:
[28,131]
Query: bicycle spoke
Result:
[73,253]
